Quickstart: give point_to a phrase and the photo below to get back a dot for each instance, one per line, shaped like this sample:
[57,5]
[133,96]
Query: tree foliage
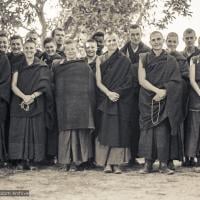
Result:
[91,15]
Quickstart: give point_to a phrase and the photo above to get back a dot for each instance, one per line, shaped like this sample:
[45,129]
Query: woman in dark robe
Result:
[30,111]
[5,74]
[114,107]
[50,56]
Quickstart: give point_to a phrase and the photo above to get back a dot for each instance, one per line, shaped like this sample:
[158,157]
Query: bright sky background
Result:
[178,25]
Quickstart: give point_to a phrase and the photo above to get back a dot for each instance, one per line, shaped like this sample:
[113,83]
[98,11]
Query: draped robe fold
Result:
[134,57]
[75,103]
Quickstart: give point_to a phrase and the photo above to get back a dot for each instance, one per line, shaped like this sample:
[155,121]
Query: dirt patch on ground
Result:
[52,184]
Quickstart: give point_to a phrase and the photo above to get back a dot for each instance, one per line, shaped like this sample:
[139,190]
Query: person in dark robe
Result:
[160,107]
[16,56]
[3,41]
[58,34]
[99,38]
[189,37]
[177,142]
[50,56]
[91,56]
[114,106]
[90,49]
[4,45]
[5,80]
[75,100]
[132,49]
[33,35]
[192,142]
[30,110]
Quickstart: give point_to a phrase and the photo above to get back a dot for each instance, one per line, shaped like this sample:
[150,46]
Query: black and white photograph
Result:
[99,99]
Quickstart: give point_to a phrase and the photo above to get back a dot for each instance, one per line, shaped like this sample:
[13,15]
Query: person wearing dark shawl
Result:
[177,142]
[33,35]
[3,42]
[189,37]
[50,56]
[16,56]
[132,49]
[160,107]
[5,78]
[30,110]
[114,107]
[90,50]
[75,100]
[58,34]
[4,50]
[192,142]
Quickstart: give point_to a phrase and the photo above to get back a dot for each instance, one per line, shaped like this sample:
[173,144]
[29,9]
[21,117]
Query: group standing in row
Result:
[107,108]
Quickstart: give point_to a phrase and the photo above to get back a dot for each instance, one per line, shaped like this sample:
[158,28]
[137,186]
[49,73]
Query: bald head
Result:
[156,40]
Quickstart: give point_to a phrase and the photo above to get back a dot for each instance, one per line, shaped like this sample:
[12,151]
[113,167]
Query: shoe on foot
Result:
[164,169]
[73,168]
[117,170]
[108,169]
[147,168]
[171,165]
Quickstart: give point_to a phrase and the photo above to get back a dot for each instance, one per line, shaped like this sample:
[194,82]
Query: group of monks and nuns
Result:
[177,142]
[30,108]
[33,35]
[132,49]
[50,56]
[189,37]
[99,38]
[192,142]
[75,100]
[5,81]
[58,34]
[3,42]
[160,106]
[114,106]
[91,49]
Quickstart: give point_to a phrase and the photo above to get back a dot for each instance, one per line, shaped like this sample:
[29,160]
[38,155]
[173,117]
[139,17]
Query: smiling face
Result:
[135,35]
[90,49]
[16,46]
[3,44]
[156,41]
[71,51]
[172,43]
[112,42]
[29,50]
[50,48]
